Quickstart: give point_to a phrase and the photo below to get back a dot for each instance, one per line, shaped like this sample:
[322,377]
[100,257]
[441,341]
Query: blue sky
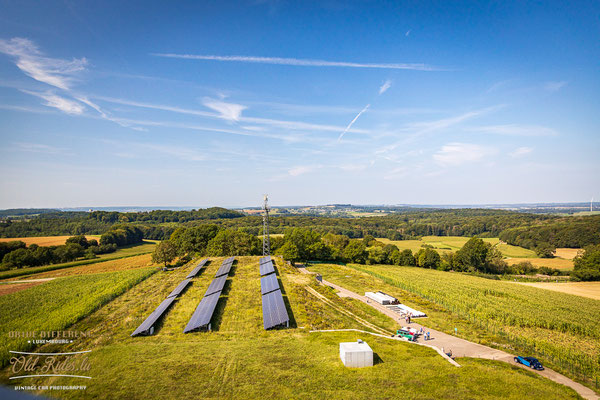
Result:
[216,103]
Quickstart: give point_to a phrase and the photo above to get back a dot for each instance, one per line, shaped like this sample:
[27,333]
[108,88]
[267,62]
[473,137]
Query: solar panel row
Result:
[274,312]
[147,327]
[225,267]
[197,269]
[205,310]
[267,268]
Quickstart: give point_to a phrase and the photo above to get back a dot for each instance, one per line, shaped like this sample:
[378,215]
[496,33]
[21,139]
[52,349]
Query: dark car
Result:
[530,362]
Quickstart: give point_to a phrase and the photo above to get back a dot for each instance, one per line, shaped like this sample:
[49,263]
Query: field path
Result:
[461,347]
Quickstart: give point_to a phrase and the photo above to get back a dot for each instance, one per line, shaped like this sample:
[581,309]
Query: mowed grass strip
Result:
[58,304]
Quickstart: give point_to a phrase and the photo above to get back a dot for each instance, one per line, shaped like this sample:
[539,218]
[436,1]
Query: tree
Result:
[164,252]
[231,242]
[472,255]
[194,239]
[356,252]
[376,255]
[545,250]
[289,251]
[586,266]
[405,257]
[80,240]
[306,241]
[428,258]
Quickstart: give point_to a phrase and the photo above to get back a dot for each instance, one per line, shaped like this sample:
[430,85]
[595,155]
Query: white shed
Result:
[381,298]
[356,354]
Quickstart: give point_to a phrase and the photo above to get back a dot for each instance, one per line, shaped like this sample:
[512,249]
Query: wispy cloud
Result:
[299,62]
[37,148]
[301,170]
[520,152]
[228,111]
[454,154]
[63,104]
[554,86]
[407,34]
[52,71]
[353,121]
[386,85]
[515,130]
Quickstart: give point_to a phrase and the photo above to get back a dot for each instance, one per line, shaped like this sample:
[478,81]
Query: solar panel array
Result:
[205,310]
[274,312]
[147,327]
[225,267]
[267,267]
[196,270]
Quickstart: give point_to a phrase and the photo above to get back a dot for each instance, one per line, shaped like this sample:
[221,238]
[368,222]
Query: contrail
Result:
[298,62]
[353,121]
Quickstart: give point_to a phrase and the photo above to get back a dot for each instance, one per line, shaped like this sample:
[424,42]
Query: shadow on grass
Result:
[217,317]
[377,359]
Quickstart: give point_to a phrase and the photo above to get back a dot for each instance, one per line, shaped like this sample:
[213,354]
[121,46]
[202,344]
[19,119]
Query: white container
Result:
[356,354]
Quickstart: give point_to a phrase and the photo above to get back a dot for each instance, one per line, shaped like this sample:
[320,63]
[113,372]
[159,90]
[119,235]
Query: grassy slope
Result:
[126,251]
[58,304]
[532,315]
[239,359]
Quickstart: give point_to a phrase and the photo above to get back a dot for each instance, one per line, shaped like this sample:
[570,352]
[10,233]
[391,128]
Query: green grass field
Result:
[58,304]
[560,328]
[239,359]
[446,244]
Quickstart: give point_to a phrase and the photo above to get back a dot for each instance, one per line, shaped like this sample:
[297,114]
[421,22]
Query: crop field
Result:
[45,240]
[558,263]
[561,329]
[447,244]
[59,303]
[239,359]
[567,254]
[123,252]
[585,289]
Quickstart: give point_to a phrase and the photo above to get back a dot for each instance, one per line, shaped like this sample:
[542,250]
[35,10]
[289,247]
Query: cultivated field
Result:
[558,263]
[241,360]
[567,254]
[446,244]
[45,240]
[585,289]
[524,317]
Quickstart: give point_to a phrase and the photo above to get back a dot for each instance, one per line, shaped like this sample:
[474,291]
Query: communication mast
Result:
[266,241]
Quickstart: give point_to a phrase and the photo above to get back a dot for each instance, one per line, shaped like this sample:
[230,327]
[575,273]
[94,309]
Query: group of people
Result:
[426,335]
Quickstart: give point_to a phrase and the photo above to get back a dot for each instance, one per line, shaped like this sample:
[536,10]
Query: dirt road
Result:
[461,347]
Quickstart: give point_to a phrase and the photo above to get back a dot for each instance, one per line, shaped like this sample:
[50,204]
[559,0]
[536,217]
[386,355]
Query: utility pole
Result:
[266,241]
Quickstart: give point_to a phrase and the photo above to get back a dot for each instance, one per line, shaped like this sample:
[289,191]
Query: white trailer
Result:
[356,354]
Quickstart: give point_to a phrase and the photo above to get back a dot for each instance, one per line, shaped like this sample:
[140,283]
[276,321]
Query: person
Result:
[409,318]
[428,336]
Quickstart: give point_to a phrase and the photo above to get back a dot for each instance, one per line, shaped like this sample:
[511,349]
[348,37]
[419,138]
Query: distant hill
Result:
[21,212]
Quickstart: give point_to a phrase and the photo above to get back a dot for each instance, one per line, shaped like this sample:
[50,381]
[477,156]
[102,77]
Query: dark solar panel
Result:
[268,283]
[225,267]
[216,285]
[274,312]
[197,269]
[203,314]
[145,327]
[266,268]
[179,288]
[265,259]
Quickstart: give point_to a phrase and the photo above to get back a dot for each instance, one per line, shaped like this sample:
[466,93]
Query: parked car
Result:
[530,362]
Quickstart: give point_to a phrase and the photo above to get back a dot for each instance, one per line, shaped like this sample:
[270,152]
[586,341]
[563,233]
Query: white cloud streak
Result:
[554,86]
[515,130]
[454,154]
[61,103]
[383,88]
[353,121]
[228,111]
[298,62]
[52,71]
[520,152]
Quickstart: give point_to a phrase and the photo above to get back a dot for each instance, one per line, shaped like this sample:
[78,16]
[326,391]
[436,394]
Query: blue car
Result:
[530,362]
